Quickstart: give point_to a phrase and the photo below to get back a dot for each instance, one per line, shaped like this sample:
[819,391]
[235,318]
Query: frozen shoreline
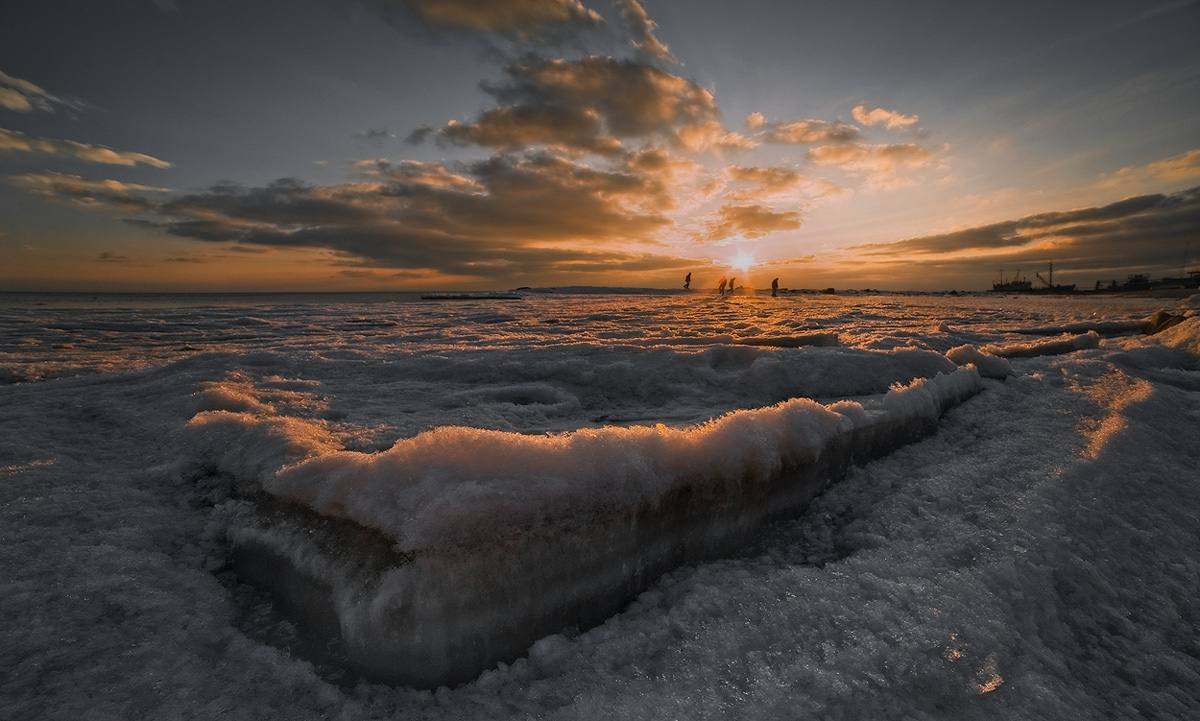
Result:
[1037,556]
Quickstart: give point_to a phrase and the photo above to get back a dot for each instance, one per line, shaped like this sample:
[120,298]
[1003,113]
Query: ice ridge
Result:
[424,568]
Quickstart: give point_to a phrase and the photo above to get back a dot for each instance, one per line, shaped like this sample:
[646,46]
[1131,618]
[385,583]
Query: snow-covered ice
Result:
[1037,557]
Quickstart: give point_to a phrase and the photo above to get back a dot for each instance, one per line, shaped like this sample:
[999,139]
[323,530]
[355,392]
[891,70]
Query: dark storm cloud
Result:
[1149,231]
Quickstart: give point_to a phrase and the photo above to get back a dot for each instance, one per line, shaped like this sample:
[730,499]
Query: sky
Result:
[338,145]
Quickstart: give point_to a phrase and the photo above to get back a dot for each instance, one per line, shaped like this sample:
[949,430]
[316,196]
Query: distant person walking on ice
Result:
[687,281]
[774,287]
[721,286]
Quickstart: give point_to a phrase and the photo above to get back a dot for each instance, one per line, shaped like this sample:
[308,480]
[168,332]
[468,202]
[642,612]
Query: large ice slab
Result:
[431,562]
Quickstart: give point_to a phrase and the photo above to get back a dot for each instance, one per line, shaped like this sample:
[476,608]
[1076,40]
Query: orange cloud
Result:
[93,194]
[772,179]
[670,172]
[11,140]
[512,128]
[1183,167]
[888,118]
[594,103]
[711,135]
[882,162]
[803,131]
[641,30]
[23,96]
[500,217]
[749,221]
[431,175]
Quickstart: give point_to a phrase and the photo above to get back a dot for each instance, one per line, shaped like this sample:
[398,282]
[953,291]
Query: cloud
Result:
[500,217]
[749,221]
[1179,168]
[641,30]
[881,162]
[773,179]
[1147,231]
[802,131]
[872,158]
[888,118]
[23,96]
[763,184]
[13,141]
[591,104]
[374,135]
[711,136]
[92,194]
[524,19]
[108,256]
[571,127]
[423,174]
[753,202]
[418,135]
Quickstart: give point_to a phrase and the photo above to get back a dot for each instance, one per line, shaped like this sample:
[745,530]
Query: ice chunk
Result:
[1070,344]
[990,366]
[458,548]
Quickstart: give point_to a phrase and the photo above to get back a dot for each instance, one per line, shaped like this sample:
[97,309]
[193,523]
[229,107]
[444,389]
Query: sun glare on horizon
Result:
[742,261]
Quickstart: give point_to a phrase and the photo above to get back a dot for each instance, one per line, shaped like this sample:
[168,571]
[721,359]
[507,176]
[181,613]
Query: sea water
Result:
[1036,557]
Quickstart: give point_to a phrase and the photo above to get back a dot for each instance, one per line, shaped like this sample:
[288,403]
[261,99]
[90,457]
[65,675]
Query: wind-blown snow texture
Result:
[1037,557]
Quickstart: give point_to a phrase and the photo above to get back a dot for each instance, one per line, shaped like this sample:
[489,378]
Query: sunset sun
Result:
[742,261]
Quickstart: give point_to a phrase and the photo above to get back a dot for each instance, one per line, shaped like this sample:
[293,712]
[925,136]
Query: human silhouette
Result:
[774,287]
[721,286]
[687,281]
[731,285]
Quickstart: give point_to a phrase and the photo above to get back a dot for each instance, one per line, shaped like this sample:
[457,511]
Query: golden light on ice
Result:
[989,677]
